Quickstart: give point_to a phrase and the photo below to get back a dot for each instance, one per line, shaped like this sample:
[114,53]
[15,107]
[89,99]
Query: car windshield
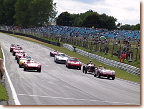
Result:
[12,44]
[73,59]
[61,55]
[18,48]
[23,59]
[100,68]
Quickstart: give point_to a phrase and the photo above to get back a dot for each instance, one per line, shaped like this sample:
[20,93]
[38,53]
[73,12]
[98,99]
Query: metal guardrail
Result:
[128,68]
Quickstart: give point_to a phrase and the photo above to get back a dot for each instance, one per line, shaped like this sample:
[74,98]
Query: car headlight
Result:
[69,62]
[39,66]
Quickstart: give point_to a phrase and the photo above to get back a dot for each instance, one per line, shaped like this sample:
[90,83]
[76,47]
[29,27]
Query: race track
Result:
[58,85]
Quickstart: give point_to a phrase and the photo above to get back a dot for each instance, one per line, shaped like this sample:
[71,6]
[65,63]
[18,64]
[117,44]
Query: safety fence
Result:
[128,68]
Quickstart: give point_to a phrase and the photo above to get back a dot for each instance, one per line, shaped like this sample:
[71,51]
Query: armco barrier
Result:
[128,68]
[34,37]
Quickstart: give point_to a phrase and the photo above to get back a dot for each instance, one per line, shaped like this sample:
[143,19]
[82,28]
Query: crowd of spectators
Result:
[79,32]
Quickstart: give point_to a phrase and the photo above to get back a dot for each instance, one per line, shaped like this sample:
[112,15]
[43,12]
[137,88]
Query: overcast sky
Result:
[125,11]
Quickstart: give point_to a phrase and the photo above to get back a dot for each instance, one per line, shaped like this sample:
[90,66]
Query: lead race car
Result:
[100,71]
[31,65]
[60,58]
[73,63]
[13,46]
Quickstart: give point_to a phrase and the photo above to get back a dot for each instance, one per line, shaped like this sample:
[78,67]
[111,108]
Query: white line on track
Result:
[15,98]
[78,99]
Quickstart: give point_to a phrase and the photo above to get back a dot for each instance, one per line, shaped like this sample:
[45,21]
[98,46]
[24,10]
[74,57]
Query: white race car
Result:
[60,58]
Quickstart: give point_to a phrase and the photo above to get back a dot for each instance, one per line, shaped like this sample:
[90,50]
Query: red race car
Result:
[53,53]
[17,49]
[13,47]
[89,68]
[31,65]
[19,55]
[73,63]
[100,71]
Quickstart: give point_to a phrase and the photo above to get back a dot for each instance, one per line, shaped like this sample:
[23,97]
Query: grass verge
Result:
[119,73]
[3,92]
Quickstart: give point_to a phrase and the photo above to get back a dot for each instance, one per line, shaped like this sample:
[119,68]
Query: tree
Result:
[1,12]
[92,20]
[130,27]
[32,13]
[87,19]
[41,11]
[22,13]
[7,11]
[65,19]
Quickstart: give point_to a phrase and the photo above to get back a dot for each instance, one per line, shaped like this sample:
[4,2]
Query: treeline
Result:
[27,13]
[92,19]
[35,13]
[130,27]
[87,19]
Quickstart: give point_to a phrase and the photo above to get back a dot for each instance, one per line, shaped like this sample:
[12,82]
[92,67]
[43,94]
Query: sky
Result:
[125,11]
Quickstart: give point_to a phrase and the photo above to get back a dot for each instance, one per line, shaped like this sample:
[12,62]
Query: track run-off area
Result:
[58,85]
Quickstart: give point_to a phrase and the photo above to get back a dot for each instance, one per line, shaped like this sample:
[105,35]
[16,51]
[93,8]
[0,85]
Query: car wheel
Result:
[108,77]
[79,68]
[98,75]
[18,61]
[56,61]
[85,71]
[19,66]
[24,69]
[95,74]
[113,78]
[39,70]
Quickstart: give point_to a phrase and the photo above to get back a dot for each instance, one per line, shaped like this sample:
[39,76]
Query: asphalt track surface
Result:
[58,85]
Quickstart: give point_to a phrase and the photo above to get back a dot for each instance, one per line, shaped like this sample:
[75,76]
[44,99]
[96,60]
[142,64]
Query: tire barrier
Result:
[128,68]
[34,37]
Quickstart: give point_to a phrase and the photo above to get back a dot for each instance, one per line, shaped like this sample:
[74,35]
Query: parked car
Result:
[73,63]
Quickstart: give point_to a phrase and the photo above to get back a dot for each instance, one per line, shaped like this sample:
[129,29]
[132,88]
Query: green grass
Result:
[3,93]
[1,55]
[119,73]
